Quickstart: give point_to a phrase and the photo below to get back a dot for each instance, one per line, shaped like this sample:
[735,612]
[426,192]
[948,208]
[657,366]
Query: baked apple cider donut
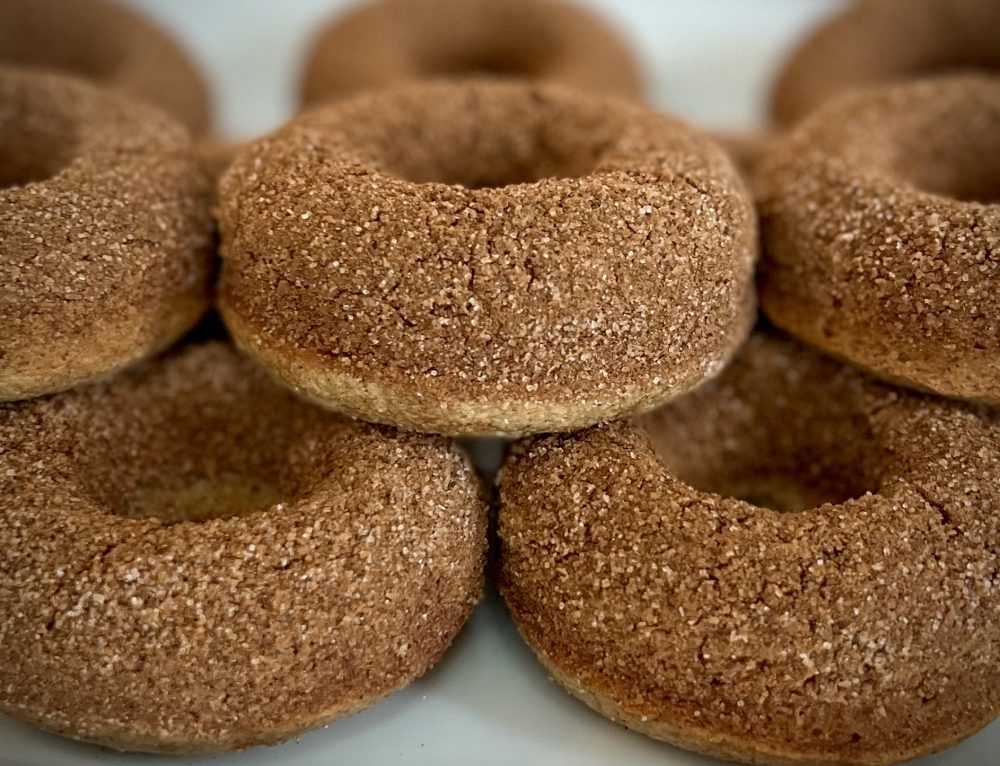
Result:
[195,560]
[879,41]
[880,218]
[106,250]
[794,564]
[487,257]
[391,41]
[109,44]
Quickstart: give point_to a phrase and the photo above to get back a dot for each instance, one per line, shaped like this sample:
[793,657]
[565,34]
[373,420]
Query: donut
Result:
[793,564]
[194,560]
[106,249]
[391,41]
[876,41]
[486,257]
[108,44]
[880,222]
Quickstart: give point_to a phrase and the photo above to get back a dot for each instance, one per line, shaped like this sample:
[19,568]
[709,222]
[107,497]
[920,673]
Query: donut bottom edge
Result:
[721,746]
[30,374]
[373,402]
[120,738]
[949,378]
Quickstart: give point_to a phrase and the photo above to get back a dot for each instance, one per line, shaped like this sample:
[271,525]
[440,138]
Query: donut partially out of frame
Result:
[106,246]
[110,44]
[879,41]
[880,220]
[487,257]
[793,565]
[391,41]
[194,560]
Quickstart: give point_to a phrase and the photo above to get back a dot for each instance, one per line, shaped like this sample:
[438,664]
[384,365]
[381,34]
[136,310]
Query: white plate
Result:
[489,702]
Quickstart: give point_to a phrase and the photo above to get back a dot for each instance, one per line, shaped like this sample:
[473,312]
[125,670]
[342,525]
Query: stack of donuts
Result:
[234,504]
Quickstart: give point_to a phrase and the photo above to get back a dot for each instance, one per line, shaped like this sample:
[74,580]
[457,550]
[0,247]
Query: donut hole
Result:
[492,161]
[201,497]
[954,154]
[511,40]
[216,473]
[501,59]
[31,153]
[193,458]
[530,139]
[786,444]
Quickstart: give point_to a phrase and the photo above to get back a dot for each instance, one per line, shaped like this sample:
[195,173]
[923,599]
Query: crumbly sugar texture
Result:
[880,224]
[110,44]
[846,611]
[392,41]
[880,41]
[106,237]
[195,560]
[490,257]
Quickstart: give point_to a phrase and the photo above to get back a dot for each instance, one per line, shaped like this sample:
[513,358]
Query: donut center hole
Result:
[201,499]
[776,491]
[494,164]
[30,156]
[788,451]
[766,470]
[495,62]
[487,138]
[954,157]
[203,452]
[511,40]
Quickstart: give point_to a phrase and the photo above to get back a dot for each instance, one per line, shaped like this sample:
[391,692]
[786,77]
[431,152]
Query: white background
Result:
[488,702]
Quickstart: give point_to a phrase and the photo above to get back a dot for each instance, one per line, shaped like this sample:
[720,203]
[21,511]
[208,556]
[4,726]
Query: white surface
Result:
[488,703]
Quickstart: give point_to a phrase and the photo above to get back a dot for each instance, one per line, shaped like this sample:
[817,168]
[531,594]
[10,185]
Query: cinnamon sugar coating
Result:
[334,562]
[106,251]
[878,41]
[110,44]
[386,42]
[880,222]
[482,257]
[859,627]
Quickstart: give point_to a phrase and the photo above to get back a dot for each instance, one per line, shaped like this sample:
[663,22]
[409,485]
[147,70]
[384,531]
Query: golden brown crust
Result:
[106,250]
[578,259]
[109,44]
[877,41]
[391,41]
[880,219]
[362,560]
[859,627]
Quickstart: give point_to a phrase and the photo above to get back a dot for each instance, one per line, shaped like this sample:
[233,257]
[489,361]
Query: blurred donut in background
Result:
[876,41]
[389,41]
[108,44]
